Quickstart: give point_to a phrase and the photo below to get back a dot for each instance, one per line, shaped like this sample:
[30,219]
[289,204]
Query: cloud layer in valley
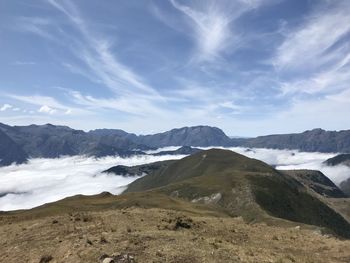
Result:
[293,159]
[47,180]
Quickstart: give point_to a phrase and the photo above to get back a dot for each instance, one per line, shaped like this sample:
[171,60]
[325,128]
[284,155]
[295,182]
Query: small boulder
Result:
[108,260]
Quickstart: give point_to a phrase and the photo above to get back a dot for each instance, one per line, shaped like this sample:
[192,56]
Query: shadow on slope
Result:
[243,187]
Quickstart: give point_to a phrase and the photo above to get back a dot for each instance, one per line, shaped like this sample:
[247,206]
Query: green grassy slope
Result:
[242,186]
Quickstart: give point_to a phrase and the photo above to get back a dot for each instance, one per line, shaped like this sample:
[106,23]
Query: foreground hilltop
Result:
[246,187]
[213,206]
[136,234]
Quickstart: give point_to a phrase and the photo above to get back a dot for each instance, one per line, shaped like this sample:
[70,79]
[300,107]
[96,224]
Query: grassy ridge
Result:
[247,187]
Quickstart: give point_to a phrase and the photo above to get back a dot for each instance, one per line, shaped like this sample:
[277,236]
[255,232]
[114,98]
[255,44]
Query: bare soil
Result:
[160,235]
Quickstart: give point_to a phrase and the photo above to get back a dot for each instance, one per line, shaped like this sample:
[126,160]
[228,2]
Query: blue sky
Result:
[250,67]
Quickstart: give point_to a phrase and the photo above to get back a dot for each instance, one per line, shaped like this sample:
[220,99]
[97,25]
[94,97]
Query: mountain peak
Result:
[316,130]
[187,136]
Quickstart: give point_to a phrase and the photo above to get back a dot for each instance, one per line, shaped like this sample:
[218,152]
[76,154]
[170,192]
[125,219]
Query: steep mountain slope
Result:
[242,186]
[345,186]
[316,181]
[46,140]
[316,140]
[10,152]
[187,136]
[139,170]
[343,159]
[50,141]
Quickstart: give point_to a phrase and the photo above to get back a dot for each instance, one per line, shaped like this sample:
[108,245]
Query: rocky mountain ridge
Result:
[50,141]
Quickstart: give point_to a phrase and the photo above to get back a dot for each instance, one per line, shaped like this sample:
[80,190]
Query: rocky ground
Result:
[160,235]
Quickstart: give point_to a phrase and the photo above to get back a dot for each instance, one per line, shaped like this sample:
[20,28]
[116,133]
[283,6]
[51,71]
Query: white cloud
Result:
[99,64]
[316,57]
[131,92]
[331,111]
[96,54]
[48,104]
[331,80]
[47,180]
[138,105]
[310,44]
[23,63]
[34,25]
[212,24]
[47,109]
[6,107]
[38,100]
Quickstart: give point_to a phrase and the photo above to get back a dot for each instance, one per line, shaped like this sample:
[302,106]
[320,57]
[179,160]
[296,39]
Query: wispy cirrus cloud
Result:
[212,25]
[97,63]
[316,54]
[23,63]
[138,106]
[318,40]
[331,80]
[48,105]
[35,25]
[96,54]
[237,64]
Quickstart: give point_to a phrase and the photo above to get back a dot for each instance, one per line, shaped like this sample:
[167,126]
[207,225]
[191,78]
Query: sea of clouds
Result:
[294,159]
[46,180]
[42,181]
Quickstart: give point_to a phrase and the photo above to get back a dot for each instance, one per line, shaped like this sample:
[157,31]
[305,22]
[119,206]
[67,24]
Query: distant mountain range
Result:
[316,140]
[18,143]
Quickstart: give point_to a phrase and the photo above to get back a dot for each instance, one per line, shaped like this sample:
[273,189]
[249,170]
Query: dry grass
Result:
[160,235]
